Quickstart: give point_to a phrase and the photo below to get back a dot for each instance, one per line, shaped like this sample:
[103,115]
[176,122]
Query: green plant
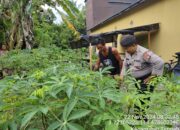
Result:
[71,93]
[56,92]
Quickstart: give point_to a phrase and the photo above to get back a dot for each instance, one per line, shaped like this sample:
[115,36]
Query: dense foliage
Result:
[25,24]
[46,32]
[54,89]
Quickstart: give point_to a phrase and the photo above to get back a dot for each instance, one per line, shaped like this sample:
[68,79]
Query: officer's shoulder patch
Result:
[147,55]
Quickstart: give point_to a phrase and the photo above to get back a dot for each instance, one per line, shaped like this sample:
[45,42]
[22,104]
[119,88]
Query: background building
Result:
[111,15]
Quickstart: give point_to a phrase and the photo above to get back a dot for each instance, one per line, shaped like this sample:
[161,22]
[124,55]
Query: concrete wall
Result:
[166,41]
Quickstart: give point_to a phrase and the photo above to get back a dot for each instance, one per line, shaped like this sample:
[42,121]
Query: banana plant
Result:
[71,16]
[69,24]
[19,32]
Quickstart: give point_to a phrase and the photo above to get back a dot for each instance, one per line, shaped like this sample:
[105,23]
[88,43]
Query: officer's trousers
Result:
[143,88]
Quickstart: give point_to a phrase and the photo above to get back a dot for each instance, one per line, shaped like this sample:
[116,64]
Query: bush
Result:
[53,89]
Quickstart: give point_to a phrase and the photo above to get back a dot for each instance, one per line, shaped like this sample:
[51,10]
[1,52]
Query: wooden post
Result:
[90,56]
[149,39]
[115,41]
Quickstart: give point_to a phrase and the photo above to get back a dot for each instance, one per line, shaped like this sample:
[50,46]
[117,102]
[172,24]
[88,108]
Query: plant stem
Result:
[44,121]
[55,116]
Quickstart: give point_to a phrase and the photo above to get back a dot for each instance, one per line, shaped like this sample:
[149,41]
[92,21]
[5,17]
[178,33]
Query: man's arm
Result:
[96,67]
[124,68]
[157,64]
[156,61]
[117,56]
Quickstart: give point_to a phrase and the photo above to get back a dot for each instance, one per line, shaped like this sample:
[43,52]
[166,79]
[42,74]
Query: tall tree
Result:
[72,16]
[16,28]
[17,14]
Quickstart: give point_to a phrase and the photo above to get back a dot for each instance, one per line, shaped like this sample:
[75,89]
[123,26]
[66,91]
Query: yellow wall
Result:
[166,41]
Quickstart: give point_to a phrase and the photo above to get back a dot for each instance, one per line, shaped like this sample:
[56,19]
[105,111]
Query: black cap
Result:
[128,40]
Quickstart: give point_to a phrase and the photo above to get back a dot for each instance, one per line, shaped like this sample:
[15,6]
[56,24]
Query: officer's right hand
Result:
[121,77]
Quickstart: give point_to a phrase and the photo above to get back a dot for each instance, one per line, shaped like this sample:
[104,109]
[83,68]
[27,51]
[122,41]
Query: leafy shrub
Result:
[55,94]
[53,89]
[30,60]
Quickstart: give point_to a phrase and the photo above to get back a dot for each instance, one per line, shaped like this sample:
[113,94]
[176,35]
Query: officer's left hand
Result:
[147,80]
[117,77]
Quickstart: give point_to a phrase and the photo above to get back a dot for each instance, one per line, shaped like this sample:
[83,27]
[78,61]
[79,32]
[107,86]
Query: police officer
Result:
[108,56]
[141,62]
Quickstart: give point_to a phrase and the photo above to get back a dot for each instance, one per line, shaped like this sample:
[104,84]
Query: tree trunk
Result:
[27,25]
[20,33]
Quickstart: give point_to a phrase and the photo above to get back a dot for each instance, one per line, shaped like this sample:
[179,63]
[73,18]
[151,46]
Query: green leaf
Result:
[13,126]
[96,108]
[112,95]
[27,118]
[111,126]
[102,103]
[68,108]
[97,119]
[127,127]
[74,126]
[54,125]
[78,114]
[44,110]
[106,70]
[64,128]
[138,103]
[69,91]
[86,101]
